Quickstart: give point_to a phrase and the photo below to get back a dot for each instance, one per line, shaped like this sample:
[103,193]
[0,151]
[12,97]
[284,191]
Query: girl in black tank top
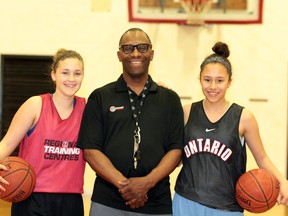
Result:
[214,154]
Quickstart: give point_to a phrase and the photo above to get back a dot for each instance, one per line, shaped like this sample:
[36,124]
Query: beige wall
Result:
[258,54]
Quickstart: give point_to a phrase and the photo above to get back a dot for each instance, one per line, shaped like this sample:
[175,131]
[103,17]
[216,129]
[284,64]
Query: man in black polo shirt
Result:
[132,136]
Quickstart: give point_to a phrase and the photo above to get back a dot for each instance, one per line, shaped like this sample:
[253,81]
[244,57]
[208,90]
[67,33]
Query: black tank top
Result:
[213,159]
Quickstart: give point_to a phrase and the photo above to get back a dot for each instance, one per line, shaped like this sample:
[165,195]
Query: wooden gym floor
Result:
[276,211]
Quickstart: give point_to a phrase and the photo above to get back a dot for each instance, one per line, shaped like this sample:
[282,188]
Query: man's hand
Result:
[134,191]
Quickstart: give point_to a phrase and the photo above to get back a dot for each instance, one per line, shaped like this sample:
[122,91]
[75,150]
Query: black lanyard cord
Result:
[136,114]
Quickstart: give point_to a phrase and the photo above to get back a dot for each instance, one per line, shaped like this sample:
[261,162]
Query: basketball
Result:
[21,178]
[257,190]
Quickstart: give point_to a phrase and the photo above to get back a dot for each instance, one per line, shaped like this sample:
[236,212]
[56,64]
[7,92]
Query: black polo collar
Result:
[121,85]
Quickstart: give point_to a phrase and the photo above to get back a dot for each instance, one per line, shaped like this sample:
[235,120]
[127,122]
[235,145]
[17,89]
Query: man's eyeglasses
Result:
[129,48]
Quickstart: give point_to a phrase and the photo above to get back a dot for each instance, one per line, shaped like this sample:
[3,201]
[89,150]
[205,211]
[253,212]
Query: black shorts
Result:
[49,204]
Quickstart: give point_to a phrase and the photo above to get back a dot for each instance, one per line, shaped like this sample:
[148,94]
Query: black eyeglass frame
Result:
[137,47]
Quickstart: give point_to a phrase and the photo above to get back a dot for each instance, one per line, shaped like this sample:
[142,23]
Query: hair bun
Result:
[221,49]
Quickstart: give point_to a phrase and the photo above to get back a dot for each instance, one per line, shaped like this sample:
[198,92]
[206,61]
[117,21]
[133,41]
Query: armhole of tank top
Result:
[242,140]
[74,102]
[189,116]
[31,130]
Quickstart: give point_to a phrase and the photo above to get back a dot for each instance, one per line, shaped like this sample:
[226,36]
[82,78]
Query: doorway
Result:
[21,77]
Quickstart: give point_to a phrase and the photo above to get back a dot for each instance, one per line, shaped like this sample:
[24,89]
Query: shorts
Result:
[99,209]
[182,206]
[49,204]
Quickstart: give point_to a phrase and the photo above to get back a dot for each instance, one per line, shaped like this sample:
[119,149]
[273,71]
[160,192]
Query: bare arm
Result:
[101,164]
[139,187]
[249,128]
[186,110]
[166,166]
[103,167]
[26,116]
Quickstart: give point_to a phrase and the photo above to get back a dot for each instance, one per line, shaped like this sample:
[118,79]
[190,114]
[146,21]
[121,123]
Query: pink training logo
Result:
[61,150]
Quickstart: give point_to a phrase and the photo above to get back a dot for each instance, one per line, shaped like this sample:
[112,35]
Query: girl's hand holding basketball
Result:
[2,180]
[283,194]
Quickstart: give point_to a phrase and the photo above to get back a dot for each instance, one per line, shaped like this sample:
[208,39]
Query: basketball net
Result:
[196,11]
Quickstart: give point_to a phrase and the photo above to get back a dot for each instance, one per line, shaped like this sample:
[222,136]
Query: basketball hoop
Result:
[196,11]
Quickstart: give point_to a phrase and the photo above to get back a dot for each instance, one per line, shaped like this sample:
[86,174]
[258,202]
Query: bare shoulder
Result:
[248,122]
[186,110]
[31,107]
[33,102]
[247,115]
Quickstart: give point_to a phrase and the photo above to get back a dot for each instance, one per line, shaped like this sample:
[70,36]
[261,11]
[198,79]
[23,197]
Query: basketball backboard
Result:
[219,11]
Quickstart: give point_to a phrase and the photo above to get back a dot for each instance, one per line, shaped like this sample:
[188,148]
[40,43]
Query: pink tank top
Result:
[51,149]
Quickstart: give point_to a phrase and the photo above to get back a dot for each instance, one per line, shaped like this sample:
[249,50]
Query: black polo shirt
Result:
[108,125]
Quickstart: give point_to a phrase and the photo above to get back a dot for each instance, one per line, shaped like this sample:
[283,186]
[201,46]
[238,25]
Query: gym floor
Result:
[275,211]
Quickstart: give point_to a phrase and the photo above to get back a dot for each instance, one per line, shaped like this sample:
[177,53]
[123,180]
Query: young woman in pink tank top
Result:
[47,126]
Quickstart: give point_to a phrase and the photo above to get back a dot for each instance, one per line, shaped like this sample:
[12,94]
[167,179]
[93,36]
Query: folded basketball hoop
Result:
[196,11]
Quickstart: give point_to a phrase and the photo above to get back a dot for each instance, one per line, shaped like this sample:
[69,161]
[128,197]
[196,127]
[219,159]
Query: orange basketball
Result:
[257,190]
[21,178]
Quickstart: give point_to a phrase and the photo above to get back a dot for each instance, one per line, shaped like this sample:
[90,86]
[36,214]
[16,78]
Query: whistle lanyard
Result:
[136,114]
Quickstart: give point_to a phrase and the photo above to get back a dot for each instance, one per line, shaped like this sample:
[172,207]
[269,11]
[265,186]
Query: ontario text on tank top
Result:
[202,145]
